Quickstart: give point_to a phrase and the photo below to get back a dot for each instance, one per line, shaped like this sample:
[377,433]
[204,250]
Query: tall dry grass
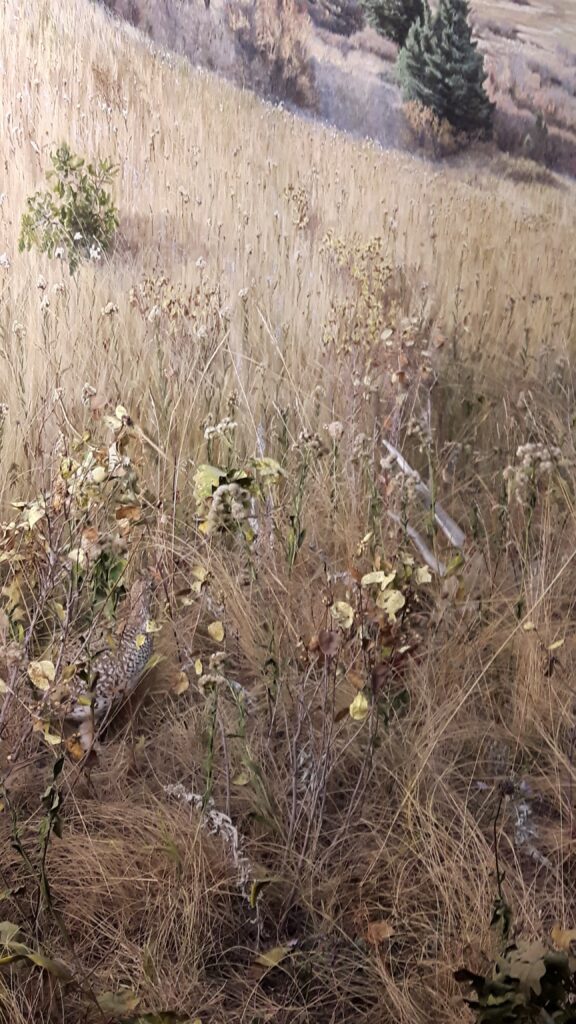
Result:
[248,283]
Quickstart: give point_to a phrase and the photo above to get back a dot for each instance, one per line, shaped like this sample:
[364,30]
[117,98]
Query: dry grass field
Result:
[295,820]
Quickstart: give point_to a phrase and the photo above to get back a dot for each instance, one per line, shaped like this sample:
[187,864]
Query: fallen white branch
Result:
[450,529]
[429,557]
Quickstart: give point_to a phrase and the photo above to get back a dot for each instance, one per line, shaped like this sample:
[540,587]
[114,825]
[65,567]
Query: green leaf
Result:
[206,480]
[118,1003]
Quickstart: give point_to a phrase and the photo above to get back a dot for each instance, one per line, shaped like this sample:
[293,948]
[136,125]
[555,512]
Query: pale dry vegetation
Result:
[282,304]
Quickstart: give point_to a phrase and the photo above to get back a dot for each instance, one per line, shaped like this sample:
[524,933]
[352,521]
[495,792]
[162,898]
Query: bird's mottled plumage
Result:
[108,676]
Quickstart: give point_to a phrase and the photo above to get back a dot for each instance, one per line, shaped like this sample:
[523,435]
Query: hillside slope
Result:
[365,674]
[211,177]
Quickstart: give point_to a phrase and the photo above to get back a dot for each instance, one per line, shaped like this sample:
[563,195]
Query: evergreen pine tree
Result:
[394,18]
[441,67]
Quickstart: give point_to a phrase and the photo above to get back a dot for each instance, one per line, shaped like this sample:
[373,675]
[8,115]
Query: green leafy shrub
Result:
[440,66]
[76,218]
[394,18]
[528,983]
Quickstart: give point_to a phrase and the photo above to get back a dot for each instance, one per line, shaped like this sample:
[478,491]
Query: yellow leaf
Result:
[69,672]
[343,614]
[359,707]
[270,470]
[200,573]
[51,737]
[140,640]
[382,578]
[562,937]
[181,684]
[151,626]
[60,610]
[4,688]
[118,1003]
[98,475]
[67,467]
[242,779]
[198,667]
[216,631]
[274,956]
[34,514]
[528,627]
[391,601]
[78,558]
[206,479]
[113,423]
[41,674]
[423,574]
[556,645]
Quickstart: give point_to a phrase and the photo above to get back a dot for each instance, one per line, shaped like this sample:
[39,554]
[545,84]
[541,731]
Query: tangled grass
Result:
[293,817]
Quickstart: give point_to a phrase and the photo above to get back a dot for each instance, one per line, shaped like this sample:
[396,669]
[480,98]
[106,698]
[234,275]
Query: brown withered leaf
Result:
[379,675]
[358,679]
[131,512]
[329,642]
[378,932]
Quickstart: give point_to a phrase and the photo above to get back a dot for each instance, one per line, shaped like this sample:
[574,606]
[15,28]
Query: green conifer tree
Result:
[441,67]
[394,18]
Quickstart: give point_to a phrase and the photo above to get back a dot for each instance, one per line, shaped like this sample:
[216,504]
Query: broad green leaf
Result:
[206,480]
[55,967]
[118,1003]
[270,470]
